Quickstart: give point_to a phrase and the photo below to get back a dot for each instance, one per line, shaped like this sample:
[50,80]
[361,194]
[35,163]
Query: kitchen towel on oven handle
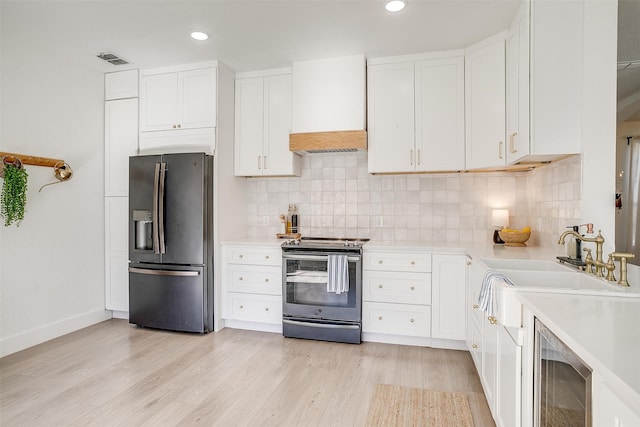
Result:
[338,273]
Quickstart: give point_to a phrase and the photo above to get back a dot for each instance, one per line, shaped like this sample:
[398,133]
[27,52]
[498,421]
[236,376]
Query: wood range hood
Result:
[329,105]
[328,142]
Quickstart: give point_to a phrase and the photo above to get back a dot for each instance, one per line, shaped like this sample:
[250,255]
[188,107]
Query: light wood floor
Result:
[117,374]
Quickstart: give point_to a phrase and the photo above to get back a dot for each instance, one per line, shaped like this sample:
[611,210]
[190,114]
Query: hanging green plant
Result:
[14,193]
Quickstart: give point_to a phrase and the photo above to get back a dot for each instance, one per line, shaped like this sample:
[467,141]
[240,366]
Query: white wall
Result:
[52,264]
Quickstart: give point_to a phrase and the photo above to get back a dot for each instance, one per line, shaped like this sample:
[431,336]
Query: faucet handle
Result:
[623,266]
[620,255]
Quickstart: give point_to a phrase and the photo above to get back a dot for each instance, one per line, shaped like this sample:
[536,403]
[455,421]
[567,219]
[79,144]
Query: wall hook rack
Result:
[61,169]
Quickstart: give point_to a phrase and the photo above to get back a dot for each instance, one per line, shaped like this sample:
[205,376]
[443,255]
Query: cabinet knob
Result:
[492,320]
[474,345]
[468,262]
[266,280]
[411,320]
[379,261]
[266,309]
[266,257]
[241,278]
[240,256]
[379,317]
[174,126]
[241,306]
[475,306]
[413,288]
[413,263]
[380,286]
[179,126]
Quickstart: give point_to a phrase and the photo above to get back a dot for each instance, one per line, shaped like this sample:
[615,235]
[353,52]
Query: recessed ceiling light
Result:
[199,35]
[395,5]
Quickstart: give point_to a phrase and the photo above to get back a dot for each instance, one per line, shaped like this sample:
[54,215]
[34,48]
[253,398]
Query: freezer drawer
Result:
[168,297]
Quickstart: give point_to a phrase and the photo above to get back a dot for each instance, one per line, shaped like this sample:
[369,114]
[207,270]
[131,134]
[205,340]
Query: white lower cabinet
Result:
[610,408]
[116,254]
[509,381]
[448,297]
[396,297]
[252,287]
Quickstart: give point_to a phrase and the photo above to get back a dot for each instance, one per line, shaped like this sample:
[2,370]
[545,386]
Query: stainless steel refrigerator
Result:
[171,242]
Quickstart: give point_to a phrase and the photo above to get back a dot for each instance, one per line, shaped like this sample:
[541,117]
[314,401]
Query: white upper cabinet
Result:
[178,100]
[121,85]
[329,95]
[262,126]
[518,86]
[416,113]
[439,116]
[485,103]
[391,135]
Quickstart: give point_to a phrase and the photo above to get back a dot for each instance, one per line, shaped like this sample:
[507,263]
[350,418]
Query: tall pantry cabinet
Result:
[120,142]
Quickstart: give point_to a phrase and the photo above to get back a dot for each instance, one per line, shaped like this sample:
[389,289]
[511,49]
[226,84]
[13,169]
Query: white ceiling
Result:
[249,34]
[257,34]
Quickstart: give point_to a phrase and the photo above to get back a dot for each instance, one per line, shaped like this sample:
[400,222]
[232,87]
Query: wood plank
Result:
[31,160]
[328,141]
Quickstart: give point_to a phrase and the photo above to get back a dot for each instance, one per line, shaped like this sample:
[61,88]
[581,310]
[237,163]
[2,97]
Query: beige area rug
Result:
[404,406]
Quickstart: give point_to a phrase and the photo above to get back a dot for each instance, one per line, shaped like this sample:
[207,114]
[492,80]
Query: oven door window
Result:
[306,284]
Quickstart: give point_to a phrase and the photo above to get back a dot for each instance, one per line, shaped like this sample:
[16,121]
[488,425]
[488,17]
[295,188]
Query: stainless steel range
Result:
[322,289]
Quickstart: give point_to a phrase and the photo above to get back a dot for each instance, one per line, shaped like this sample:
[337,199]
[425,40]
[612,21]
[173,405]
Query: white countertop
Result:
[604,332]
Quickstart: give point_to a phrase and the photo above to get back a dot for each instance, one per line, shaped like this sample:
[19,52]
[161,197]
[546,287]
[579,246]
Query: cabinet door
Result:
[439,115]
[490,362]
[391,118]
[158,102]
[509,381]
[121,85]
[249,126]
[518,86]
[197,98]
[116,253]
[485,105]
[120,142]
[449,296]
[277,159]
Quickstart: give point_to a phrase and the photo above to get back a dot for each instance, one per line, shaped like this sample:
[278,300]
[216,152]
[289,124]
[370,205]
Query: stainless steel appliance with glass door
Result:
[310,310]
[562,386]
[171,242]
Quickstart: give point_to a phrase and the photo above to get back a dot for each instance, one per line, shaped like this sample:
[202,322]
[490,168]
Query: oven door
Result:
[305,293]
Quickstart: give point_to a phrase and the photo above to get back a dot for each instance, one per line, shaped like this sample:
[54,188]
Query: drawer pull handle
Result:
[379,317]
[380,286]
[413,288]
[241,306]
[379,261]
[411,320]
[474,345]
[475,306]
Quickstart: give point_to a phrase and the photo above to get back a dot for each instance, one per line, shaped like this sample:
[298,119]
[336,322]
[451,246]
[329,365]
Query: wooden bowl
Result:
[514,238]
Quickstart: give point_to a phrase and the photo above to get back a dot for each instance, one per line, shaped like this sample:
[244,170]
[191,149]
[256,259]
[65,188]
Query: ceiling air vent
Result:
[112,58]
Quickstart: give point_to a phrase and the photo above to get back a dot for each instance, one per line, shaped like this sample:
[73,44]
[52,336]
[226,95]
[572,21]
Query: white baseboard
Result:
[120,314]
[396,339]
[253,326]
[26,339]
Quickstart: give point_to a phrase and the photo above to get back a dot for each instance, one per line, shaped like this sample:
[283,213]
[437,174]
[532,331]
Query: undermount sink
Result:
[526,264]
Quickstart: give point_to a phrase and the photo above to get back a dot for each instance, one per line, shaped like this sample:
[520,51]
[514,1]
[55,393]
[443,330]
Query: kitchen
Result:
[56,298]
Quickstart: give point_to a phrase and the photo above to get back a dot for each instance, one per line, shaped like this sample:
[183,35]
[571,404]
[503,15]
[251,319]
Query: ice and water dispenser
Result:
[143,223]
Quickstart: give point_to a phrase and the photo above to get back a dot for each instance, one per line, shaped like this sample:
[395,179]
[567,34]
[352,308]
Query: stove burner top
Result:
[325,242]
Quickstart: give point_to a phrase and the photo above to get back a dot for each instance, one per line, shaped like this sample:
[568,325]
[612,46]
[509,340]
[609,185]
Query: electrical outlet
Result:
[379,222]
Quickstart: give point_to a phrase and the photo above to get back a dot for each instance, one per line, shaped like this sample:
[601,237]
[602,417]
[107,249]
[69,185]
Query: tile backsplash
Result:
[336,197]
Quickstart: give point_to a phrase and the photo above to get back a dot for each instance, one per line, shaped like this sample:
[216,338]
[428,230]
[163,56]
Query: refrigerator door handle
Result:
[154,214]
[163,172]
[163,272]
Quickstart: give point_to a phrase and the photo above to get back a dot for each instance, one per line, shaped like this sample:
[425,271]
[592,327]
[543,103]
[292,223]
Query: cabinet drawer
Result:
[396,319]
[392,261]
[257,256]
[254,308]
[254,279]
[394,287]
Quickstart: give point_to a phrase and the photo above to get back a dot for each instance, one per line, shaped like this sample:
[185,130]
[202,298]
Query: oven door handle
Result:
[315,257]
[320,325]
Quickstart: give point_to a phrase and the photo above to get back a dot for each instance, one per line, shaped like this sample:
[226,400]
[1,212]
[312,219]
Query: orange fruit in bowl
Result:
[526,230]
